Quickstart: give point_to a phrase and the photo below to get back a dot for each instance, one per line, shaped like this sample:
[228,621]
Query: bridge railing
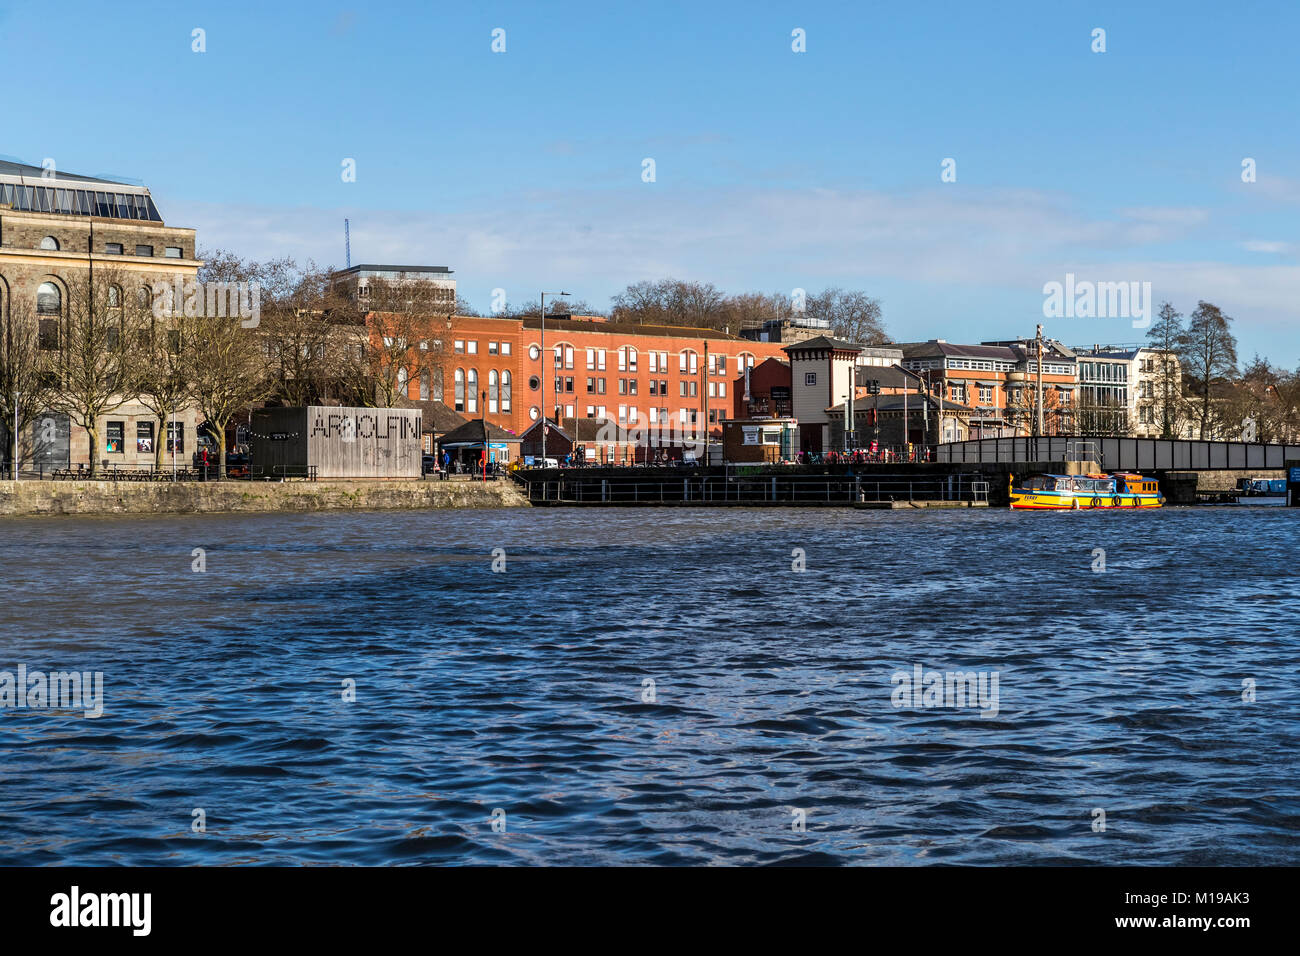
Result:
[1125,454]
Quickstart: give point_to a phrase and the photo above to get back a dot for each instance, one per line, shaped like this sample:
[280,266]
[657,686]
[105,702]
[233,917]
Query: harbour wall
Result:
[122,498]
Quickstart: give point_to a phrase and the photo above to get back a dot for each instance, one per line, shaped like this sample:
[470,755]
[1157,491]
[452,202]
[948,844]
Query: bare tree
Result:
[1209,353]
[163,387]
[1165,335]
[225,364]
[26,372]
[853,316]
[96,364]
[407,325]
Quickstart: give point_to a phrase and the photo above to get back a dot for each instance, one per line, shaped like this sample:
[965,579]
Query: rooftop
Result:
[371,267]
[34,189]
[821,343]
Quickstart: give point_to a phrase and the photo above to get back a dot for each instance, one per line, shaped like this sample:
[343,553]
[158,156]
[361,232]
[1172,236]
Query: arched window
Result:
[401,382]
[460,389]
[49,300]
[424,385]
[471,385]
[437,384]
[494,391]
[143,297]
[505,391]
[743,361]
[50,244]
[688,362]
[114,294]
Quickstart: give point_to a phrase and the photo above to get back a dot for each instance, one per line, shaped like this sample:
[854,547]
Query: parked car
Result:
[540,462]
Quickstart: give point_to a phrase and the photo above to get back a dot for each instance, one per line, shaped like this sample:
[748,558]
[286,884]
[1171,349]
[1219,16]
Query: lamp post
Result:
[17,397]
[545,371]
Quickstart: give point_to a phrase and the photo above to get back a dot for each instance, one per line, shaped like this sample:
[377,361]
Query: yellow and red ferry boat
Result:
[1078,492]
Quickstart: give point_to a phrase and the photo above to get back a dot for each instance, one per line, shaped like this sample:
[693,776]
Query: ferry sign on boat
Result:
[1078,492]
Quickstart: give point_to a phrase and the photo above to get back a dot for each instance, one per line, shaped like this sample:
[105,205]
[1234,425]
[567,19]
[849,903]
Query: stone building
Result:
[56,230]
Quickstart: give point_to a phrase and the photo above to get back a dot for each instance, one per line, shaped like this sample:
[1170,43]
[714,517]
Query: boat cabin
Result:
[1137,485]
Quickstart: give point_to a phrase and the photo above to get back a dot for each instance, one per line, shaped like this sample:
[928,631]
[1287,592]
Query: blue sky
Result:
[775,170]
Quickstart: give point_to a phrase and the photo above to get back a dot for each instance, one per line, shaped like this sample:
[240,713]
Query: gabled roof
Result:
[578,429]
[472,433]
[820,344]
[436,417]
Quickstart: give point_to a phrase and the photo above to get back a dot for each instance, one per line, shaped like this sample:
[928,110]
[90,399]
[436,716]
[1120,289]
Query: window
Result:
[49,300]
[114,297]
[534,352]
[174,252]
[492,348]
[959,393]
[591,411]
[654,416]
[144,438]
[653,360]
[722,390]
[437,385]
[144,250]
[112,248]
[568,383]
[50,244]
[460,346]
[114,437]
[986,394]
[654,385]
[810,378]
[622,414]
[424,385]
[494,391]
[568,357]
[460,390]
[471,347]
[631,386]
[471,388]
[401,382]
[681,389]
[176,437]
[424,345]
[505,348]
[505,391]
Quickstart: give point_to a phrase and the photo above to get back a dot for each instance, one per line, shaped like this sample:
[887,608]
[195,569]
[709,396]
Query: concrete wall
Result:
[107,497]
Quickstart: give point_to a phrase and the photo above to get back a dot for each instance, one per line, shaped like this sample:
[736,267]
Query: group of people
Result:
[865,455]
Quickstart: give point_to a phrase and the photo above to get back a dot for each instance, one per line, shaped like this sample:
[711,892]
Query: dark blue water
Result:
[522,691]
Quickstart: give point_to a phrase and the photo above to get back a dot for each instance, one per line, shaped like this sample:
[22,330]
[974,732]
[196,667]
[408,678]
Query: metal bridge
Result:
[1123,454]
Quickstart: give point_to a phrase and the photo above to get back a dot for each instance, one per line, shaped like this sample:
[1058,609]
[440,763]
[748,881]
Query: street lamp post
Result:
[546,371]
[17,397]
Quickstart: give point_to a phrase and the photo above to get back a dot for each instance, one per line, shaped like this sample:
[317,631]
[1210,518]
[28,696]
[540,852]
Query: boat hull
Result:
[1047,501]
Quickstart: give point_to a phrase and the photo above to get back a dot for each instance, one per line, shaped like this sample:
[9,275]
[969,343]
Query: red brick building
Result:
[659,377]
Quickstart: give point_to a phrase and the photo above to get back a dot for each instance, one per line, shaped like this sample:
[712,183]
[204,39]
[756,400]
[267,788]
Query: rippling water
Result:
[523,690]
